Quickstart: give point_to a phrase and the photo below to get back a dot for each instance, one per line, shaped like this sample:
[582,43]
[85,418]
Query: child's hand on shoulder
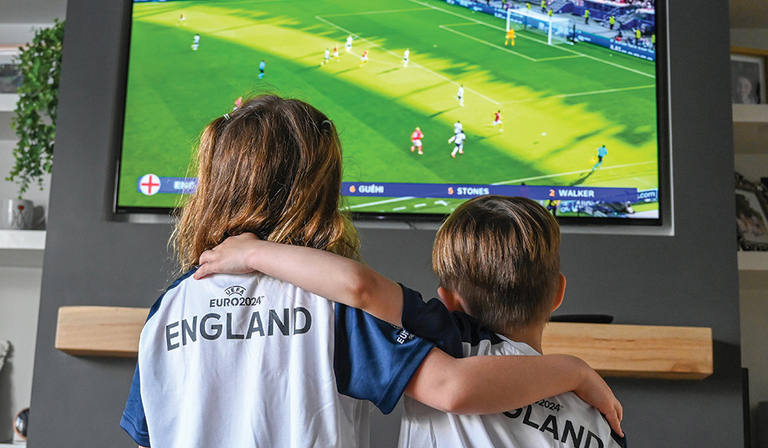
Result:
[596,392]
[229,257]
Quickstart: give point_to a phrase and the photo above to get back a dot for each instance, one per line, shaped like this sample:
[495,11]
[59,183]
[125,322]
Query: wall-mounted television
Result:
[563,108]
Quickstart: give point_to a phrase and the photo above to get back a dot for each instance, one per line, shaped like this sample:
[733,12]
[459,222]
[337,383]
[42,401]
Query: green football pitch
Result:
[559,103]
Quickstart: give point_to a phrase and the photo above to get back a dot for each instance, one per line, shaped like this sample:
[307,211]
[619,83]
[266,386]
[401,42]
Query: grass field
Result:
[559,103]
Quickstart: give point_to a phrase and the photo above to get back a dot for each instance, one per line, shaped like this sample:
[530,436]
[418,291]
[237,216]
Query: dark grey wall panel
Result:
[90,260]
[686,279]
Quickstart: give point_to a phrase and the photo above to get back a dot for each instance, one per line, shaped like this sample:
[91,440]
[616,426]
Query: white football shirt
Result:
[458,138]
[249,361]
[563,420]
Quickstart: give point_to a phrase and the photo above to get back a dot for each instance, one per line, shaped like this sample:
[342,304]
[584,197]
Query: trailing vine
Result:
[35,114]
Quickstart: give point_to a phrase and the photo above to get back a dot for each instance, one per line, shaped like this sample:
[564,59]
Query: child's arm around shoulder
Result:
[328,275]
[473,385]
[494,384]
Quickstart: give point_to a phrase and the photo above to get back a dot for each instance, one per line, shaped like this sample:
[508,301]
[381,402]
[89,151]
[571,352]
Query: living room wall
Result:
[686,279]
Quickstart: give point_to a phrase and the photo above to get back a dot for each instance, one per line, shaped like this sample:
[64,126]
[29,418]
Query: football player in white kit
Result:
[348,45]
[460,95]
[195,42]
[406,54]
[457,127]
[459,140]
[326,57]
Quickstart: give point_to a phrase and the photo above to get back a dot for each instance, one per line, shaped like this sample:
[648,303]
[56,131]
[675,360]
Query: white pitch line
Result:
[453,13]
[595,92]
[386,201]
[480,22]
[488,43]
[375,12]
[557,58]
[461,24]
[419,205]
[397,209]
[567,174]
[604,91]
[642,181]
[412,63]
[520,36]
[611,63]
[559,48]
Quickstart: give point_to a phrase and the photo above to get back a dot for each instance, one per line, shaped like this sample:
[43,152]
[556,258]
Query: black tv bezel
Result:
[663,155]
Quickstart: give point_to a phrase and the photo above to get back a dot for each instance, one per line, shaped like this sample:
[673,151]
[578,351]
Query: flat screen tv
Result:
[564,103]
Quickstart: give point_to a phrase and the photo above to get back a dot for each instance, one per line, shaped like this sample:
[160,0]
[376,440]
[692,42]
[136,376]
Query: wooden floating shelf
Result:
[612,350]
[638,351]
[100,330]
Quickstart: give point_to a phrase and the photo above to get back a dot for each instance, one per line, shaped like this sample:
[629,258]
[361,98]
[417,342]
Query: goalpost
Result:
[557,29]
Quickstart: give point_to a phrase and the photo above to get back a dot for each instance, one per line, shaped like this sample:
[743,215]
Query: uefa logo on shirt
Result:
[235,290]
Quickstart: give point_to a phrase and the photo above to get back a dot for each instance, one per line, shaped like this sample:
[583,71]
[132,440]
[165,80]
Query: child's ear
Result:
[560,293]
[451,299]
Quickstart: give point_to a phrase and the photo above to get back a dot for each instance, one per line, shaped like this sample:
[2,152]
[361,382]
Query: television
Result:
[566,107]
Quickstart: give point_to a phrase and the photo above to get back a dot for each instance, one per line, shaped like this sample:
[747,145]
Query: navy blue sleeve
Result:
[435,323]
[134,422]
[621,441]
[374,360]
[432,321]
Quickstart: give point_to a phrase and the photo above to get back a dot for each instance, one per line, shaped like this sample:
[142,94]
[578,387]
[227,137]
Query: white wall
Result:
[16,34]
[19,286]
[19,302]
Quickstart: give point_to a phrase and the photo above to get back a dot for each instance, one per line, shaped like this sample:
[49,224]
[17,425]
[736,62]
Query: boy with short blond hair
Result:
[498,260]
[499,267]
[502,256]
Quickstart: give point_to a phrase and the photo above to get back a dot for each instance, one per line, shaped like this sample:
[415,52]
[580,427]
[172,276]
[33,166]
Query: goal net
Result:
[558,30]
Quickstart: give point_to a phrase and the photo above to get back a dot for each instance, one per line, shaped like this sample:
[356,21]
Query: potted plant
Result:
[35,119]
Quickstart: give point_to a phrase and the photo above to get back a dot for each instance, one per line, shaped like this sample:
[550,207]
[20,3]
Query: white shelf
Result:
[22,248]
[22,239]
[8,102]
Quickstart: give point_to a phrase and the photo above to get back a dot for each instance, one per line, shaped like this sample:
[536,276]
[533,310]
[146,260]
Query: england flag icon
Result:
[149,184]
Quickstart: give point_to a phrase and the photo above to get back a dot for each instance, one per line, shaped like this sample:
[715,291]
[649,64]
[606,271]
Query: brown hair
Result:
[272,167]
[502,255]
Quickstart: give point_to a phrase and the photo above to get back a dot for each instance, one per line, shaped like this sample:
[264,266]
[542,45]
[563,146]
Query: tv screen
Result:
[435,101]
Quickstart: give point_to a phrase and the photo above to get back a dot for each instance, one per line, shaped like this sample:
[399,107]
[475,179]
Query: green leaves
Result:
[35,120]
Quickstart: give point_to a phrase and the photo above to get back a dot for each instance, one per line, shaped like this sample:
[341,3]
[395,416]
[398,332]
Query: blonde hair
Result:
[502,255]
[273,168]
